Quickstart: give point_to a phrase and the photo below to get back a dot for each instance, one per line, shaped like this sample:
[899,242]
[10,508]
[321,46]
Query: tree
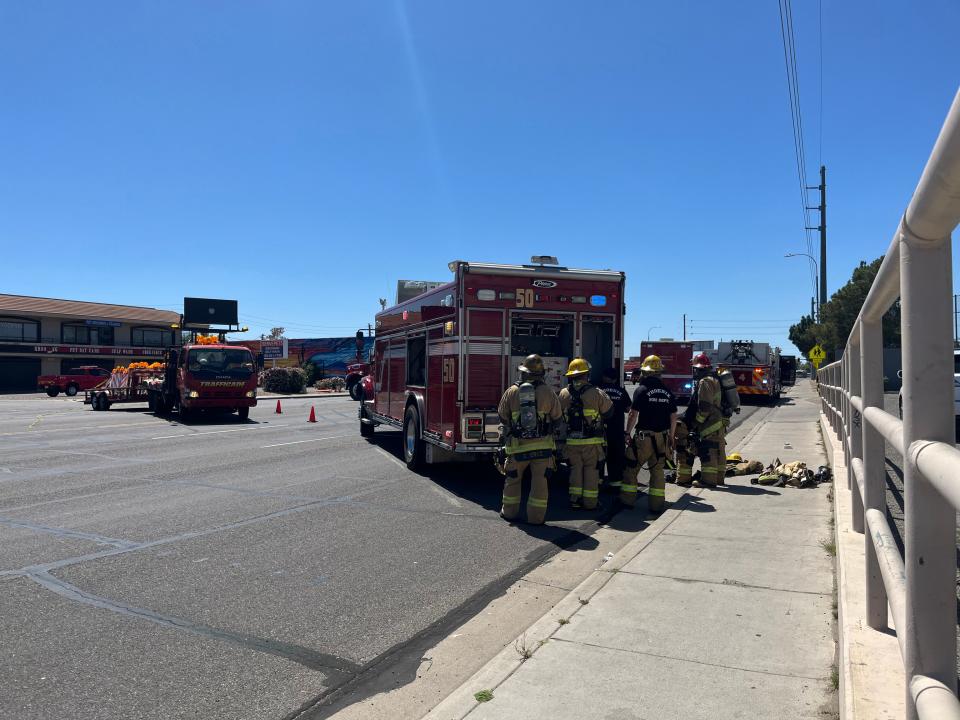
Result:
[275,334]
[838,315]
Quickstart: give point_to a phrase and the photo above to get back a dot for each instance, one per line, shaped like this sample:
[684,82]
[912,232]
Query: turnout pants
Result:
[540,471]
[645,449]
[713,461]
[616,459]
[584,463]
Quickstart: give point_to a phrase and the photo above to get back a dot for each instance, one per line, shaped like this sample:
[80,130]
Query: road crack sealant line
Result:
[69,534]
[323,705]
[311,659]
[66,562]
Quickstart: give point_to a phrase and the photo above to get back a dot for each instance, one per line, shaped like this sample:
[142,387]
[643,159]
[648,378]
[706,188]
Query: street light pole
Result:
[652,329]
[816,270]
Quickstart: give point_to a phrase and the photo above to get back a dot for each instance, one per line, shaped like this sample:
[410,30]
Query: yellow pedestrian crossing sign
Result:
[816,355]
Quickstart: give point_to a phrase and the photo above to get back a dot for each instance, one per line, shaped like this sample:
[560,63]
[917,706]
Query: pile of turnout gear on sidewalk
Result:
[776,474]
[792,474]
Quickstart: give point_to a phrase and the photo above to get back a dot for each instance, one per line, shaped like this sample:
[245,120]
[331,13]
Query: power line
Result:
[796,119]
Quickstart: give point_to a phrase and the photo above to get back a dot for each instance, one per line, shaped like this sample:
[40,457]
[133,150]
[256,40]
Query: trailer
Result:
[442,360]
[124,385]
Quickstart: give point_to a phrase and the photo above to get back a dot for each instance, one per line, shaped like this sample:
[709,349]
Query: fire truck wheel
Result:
[243,412]
[412,442]
[71,390]
[53,392]
[356,390]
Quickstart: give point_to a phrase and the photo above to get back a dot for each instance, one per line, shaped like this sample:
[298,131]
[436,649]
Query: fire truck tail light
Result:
[474,422]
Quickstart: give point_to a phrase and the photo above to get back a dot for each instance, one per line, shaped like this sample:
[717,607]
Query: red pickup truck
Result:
[84,377]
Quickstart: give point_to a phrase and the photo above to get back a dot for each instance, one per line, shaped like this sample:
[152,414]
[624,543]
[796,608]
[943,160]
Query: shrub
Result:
[284,380]
[312,372]
[337,384]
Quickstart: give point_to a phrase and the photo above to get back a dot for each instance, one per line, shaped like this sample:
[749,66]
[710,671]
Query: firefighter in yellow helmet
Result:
[584,409]
[529,411]
[704,418]
[654,415]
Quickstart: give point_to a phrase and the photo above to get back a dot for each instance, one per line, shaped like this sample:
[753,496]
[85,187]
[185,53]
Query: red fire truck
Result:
[755,367]
[443,359]
[677,357]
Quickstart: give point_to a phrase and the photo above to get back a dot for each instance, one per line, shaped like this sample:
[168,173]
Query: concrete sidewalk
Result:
[721,608]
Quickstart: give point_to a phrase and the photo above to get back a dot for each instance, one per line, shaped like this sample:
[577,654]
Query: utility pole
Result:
[822,227]
[813,312]
[684,327]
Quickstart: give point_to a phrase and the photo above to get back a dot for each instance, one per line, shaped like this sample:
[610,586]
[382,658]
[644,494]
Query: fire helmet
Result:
[578,367]
[652,364]
[532,365]
[702,361]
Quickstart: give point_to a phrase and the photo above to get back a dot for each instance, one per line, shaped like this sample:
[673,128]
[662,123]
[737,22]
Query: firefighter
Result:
[654,415]
[704,419]
[584,409]
[614,427]
[529,411]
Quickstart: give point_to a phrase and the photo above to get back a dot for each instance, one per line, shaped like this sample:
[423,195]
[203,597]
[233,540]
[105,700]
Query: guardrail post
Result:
[930,543]
[856,435]
[874,472]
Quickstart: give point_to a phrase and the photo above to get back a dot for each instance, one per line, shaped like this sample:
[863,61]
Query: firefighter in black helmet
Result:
[528,411]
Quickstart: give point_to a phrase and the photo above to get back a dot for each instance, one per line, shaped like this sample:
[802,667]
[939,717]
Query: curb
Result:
[304,396]
[461,702]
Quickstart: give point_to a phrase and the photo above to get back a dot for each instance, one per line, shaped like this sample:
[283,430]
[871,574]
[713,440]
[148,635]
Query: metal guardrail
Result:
[921,587]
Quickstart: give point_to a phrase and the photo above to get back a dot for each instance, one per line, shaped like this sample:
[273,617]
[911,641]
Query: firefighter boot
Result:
[537,502]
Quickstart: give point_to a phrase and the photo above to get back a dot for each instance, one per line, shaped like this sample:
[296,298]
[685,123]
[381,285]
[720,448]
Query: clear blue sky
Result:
[303,156]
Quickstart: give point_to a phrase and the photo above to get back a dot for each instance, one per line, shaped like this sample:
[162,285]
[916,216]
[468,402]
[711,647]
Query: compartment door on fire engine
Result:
[596,344]
[442,385]
[483,354]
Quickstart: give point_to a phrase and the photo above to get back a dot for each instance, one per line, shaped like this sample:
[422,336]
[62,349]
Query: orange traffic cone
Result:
[278,408]
[313,415]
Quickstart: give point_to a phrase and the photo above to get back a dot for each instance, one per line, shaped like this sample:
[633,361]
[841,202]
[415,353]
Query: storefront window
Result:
[87,335]
[19,330]
[151,337]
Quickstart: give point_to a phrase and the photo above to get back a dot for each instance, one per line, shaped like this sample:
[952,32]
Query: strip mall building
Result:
[45,336]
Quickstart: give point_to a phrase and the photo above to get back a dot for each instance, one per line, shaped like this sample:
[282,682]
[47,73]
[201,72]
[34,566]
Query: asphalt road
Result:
[230,569]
